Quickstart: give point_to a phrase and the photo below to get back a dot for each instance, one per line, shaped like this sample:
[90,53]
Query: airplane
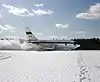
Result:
[48,45]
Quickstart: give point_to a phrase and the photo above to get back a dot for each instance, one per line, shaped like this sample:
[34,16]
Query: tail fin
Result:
[30,36]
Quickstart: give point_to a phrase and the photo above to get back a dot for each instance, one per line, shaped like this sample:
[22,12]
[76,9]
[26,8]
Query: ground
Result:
[49,66]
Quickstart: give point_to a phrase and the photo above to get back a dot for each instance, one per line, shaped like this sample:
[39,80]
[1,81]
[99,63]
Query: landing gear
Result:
[65,44]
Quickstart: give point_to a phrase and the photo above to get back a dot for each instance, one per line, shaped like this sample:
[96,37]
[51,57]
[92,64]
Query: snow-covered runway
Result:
[54,66]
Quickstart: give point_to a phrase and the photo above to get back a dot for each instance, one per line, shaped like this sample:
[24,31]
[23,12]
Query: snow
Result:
[49,66]
[13,45]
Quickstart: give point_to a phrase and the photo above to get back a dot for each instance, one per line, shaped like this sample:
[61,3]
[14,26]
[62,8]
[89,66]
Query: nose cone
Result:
[77,45]
[72,46]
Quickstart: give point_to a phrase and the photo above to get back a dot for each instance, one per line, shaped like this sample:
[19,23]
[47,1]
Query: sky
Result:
[50,18]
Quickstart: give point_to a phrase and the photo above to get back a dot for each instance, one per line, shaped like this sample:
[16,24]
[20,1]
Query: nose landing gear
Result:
[65,44]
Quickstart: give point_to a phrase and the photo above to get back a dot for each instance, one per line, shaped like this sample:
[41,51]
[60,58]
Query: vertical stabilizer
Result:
[30,36]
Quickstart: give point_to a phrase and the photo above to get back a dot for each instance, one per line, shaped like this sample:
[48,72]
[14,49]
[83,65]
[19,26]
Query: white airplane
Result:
[48,44]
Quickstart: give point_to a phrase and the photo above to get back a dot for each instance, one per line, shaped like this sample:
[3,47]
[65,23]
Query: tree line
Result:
[88,44]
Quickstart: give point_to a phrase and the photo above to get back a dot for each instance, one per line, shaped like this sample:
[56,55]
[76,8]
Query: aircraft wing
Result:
[51,42]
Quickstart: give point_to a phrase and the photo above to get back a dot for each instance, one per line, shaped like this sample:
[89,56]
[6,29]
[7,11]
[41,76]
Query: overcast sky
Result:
[50,18]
